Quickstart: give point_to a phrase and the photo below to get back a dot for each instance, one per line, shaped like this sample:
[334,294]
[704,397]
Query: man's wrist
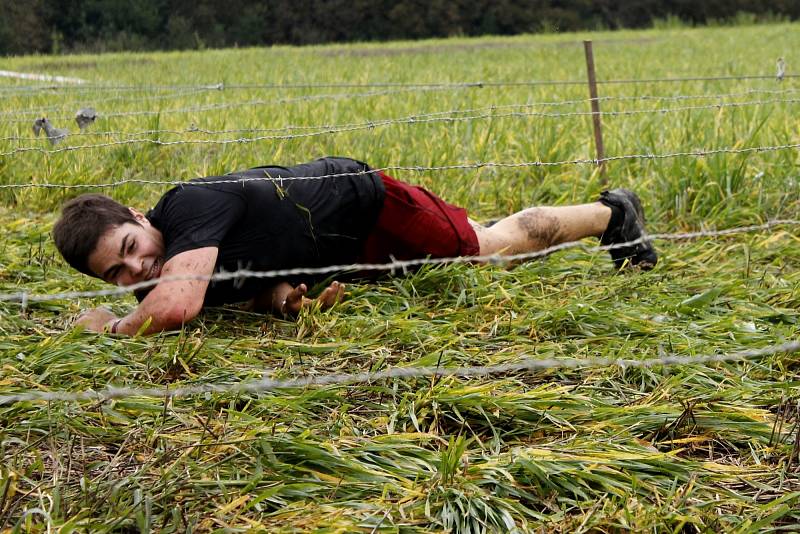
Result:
[113,325]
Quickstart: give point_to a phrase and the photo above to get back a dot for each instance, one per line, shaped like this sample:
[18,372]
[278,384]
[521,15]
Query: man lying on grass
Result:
[243,220]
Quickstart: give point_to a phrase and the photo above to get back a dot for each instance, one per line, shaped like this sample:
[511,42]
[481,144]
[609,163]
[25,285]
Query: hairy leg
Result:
[534,229]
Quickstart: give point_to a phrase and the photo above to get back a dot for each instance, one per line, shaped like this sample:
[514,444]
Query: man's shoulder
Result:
[192,197]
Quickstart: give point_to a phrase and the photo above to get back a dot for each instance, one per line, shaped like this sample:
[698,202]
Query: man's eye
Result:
[131,246]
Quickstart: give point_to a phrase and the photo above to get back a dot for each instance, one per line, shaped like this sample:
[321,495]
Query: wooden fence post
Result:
[596,118]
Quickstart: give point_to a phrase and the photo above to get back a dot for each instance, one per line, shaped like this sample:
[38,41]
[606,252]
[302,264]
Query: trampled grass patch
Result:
[688,448]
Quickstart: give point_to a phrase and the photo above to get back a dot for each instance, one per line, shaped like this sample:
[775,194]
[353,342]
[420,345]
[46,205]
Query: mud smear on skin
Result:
[541,229]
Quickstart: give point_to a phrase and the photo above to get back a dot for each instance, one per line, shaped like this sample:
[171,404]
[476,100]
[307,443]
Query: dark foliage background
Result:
[56,26]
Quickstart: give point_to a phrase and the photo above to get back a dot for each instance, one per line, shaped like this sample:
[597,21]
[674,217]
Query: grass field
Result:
[692,448]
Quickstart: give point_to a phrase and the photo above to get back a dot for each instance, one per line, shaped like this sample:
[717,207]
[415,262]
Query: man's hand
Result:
[283,299]
[95,319]
[296,299]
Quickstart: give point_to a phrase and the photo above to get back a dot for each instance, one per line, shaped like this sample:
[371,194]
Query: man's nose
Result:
[134,266]
[131,274]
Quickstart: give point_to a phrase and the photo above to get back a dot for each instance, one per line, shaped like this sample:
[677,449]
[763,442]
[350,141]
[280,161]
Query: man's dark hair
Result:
[83,220]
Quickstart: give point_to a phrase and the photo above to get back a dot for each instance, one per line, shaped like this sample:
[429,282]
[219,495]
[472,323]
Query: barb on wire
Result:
[448,116]
[397,265]
[419,168]
[269,384]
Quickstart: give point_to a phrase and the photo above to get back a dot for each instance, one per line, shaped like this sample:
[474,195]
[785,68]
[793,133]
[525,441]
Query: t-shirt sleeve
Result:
[200,216]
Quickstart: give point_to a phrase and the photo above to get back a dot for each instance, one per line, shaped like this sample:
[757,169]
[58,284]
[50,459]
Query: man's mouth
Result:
[155,269]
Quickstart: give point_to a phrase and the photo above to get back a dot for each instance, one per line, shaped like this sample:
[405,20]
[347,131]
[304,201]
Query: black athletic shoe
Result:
[630,228]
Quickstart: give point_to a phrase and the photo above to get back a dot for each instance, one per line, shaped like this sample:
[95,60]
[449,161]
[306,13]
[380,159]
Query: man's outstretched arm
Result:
[170,304]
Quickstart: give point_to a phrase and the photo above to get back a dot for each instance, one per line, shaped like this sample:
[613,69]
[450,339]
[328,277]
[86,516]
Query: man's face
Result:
[129,253]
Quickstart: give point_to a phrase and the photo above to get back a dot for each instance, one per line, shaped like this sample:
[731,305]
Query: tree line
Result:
[59,26]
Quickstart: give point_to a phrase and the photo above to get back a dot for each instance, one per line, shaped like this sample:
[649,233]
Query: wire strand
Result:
[268,384]
[444,85]
[394,266]
[94,101]
[424,118]
[249,103]
[419,168]
[36,112]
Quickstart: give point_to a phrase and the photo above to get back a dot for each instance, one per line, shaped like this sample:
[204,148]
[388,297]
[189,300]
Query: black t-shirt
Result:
[272,224]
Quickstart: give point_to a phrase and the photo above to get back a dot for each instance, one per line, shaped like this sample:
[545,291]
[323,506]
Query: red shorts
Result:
[415,223]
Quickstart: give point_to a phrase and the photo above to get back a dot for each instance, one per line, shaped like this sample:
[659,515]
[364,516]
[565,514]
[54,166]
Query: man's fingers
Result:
[296,294]
[94,319]
[300,290]
[294,299]
[88,311]
[339,292]
[331,294]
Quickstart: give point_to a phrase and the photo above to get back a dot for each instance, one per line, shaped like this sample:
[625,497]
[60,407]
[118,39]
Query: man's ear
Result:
[138,215]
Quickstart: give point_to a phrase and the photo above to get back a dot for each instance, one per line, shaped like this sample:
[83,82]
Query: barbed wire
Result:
[247,103]
[706,96]
[336,379]
[290,128]
[417,168]
[51,89]
[362,85]
[489,112]
[433,113]
[218,106]
[36,112]
[395,266]
[528,364]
